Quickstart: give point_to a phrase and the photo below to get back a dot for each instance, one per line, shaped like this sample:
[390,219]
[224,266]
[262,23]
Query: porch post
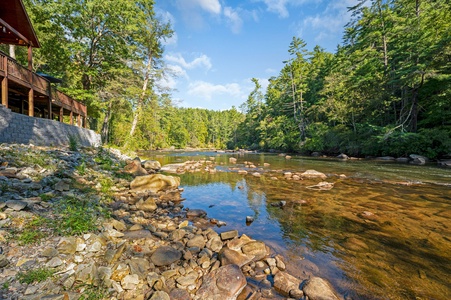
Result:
[5,91]
[61,114]
[31,102]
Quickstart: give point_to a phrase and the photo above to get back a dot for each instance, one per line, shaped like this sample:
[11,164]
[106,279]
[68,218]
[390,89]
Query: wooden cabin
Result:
[22,90]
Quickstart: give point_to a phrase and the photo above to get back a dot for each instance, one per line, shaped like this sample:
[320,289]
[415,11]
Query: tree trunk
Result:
[106,124]
[12,51]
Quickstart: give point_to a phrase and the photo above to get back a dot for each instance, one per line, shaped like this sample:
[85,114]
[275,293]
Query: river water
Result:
[382,232]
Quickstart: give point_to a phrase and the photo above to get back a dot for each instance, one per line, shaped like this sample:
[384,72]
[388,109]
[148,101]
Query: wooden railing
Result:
[25,77]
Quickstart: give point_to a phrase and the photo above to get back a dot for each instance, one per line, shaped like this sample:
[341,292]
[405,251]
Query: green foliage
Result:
[81,168]
[92,292]
[73,143]
[32,231]
[77,216]
[35,275]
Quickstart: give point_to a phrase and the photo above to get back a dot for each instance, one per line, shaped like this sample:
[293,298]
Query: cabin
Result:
[23,91]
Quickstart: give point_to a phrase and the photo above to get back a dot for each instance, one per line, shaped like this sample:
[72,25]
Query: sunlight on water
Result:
[383,232]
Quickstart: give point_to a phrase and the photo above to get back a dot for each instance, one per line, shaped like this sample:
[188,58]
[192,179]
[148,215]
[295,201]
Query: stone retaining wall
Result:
[22,129]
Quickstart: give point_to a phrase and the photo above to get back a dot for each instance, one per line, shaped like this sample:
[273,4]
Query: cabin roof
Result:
[16,27]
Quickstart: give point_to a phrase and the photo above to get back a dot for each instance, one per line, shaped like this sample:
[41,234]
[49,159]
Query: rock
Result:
[322,186]
[444,162]
[165,255]
[179,294]
[256,174]
[343,156]
[418,159]
[196,213]
[313,174]
[231,257]
[188,279]
[147,205]
[3,261]
[61,186]
[151,165]
[228,235]
[196,241]
[16,205]
[249,219]
[154,183]
[120,272]
[86,273]
[317,288]
[160,295]
[118,225]
[232,160]
[256,249]
[130,282]
[49,252]
[225,283]
[67,245]
[139,266]
[386,158]
[215,243]
[173,168]
[284,283]
[54,262]
[134,167]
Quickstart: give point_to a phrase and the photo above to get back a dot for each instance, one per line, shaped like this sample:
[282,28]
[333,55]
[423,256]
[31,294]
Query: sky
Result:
[218,46]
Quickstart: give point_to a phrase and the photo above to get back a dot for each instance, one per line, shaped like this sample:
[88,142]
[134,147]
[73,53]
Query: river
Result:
[382,232]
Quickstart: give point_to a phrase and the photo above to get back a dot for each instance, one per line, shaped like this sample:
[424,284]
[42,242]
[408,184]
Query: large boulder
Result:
[154,183]
[418,159]
[165,255]
[225,283]
[285,283]
[317,288]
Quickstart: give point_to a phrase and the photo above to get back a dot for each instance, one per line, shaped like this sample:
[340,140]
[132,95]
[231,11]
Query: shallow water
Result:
[382,232]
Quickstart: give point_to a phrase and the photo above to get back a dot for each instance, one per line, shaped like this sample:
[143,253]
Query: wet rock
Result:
[322,186]
[317,288]
[249,219]
[232,160]
[231,257]
[165,255]
[418,159]
[228,235]
[227,282]
[342,156]
[154,183]
[196,213]
[313,174]
[256,249]
[284,283]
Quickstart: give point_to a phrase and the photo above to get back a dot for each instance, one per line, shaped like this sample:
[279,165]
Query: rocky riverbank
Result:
[95,224]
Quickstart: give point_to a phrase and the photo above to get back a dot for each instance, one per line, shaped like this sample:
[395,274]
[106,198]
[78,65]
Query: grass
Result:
[32,231]
[81,168]
[35,275]
[92,292]
[73,143]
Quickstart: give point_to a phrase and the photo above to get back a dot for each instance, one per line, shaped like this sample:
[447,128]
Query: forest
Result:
[385,91]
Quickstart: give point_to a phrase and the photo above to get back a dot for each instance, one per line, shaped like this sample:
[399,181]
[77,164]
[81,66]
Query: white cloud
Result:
[211,6]
[278,6]
[208,91]
[177,71]
[200,61]
[233,19]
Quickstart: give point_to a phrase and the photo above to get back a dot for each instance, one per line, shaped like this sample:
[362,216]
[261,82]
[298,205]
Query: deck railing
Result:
[25,77]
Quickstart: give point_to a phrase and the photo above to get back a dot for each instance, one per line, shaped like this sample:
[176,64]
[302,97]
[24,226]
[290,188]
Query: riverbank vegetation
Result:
[385,91]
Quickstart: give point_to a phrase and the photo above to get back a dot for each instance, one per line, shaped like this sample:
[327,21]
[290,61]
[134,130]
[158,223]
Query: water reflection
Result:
[381,233]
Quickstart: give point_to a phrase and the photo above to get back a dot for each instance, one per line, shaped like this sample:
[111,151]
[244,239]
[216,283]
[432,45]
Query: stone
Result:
[139,266]
[160,295]
[165,255]
[134,167]
[322,186]
[196,241]
[228,257]
[188,279]
[313,174]
[61,186]
[256,249]
[3,261]
[86,273]
[228,235]
[153,165]
[232,160]
[113,254]
[147,205]
[54,262]
[154,183]
[130,282]
[179,294]
[284,283]
[215,243]
[49,252]
[118,225]
[67,245]
[196,213]
[16,205]
[120,272]
[317,288]
[226,283]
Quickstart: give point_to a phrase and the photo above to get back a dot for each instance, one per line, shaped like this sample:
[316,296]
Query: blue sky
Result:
[219,45]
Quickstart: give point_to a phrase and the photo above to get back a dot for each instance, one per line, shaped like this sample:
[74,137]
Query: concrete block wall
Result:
[22,129]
